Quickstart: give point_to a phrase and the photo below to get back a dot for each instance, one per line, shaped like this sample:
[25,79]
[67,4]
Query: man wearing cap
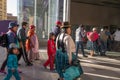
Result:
[12,38]
[57,28]
[21,33]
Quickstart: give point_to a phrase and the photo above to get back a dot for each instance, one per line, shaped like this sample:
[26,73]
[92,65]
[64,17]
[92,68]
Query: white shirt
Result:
[79,34]
[117,36]
[69,44]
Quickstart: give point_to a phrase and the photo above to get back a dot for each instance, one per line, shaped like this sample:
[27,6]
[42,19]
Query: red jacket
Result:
[51,48]
[92,36]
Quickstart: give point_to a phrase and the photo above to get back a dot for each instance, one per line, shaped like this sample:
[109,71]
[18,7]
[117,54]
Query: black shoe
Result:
[29,64]
[85,56]
[19,64]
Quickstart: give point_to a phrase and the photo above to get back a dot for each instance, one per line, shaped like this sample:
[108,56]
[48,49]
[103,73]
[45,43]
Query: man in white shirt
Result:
[80,34]
[117,40]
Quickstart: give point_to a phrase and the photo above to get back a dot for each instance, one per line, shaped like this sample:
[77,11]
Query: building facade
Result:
[44,13]
[11,17]
[3,10]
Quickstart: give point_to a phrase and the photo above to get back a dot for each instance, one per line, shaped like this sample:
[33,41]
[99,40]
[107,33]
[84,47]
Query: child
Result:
[12,62]
[51,49]
[32,44]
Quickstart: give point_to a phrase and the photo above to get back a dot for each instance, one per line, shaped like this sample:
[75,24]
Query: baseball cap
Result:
[13,45]
[13,24]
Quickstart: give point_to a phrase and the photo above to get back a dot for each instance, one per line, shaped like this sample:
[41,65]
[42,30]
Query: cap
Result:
[32,26]
[13,45]
[13,24]
[58,23]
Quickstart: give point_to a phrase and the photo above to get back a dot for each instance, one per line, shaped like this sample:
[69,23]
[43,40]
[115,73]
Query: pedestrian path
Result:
[95,68]
[100,68]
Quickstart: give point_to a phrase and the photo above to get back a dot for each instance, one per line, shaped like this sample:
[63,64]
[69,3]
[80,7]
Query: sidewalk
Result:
[95,68]
[35,72]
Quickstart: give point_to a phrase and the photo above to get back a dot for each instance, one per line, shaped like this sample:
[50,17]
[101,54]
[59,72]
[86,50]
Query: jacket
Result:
[21,33]
[92,36]
[103,36]
[56,30]
[12,61]
[51,48]
[12,38]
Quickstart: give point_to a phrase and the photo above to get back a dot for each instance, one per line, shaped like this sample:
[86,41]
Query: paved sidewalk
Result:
[95,68]
[35,72]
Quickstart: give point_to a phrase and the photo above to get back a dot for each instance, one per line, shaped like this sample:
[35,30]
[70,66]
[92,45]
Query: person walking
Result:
[57,28]
[51,50]
[117,40]
[21,33]
[12,38]
[103,40]
[80,34]
[12,62]
[93,41]
[32,44]
[64,42]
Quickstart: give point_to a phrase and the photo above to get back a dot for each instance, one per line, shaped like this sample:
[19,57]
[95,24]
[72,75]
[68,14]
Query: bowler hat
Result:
[66,25]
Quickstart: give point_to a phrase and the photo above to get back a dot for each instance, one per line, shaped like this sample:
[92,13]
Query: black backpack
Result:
[3,40]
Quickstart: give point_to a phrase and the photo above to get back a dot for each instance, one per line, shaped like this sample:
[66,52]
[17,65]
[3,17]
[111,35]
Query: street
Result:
[95,68]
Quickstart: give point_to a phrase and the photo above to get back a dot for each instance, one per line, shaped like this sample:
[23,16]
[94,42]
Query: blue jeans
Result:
[10,73]
[103,46]
[79,44]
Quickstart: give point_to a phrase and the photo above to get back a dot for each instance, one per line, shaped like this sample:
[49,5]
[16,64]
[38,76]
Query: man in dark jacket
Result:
[12,38]
[21,33]
[57,28]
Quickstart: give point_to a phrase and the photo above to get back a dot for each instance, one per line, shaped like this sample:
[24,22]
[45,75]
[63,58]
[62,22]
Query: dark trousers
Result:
[24,54]
[79,45]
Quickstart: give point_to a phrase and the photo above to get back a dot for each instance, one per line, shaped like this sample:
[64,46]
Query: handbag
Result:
[74,70]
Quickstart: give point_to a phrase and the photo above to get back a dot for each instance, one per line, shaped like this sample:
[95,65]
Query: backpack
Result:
[3,40]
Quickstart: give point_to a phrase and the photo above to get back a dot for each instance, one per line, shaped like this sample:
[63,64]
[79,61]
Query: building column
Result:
[20,10]
[66,10]
[52,14]
[35,13]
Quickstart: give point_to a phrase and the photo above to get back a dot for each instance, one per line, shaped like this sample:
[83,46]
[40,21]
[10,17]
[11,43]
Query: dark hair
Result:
[10,51]
[64,30]
[51,34]
[24,23]
[118,29]
[81,25]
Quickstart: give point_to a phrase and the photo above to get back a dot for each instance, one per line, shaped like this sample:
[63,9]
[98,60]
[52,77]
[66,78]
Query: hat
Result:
[58,23]
[32,26]
[13,24]
[66,25]
[13,45]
